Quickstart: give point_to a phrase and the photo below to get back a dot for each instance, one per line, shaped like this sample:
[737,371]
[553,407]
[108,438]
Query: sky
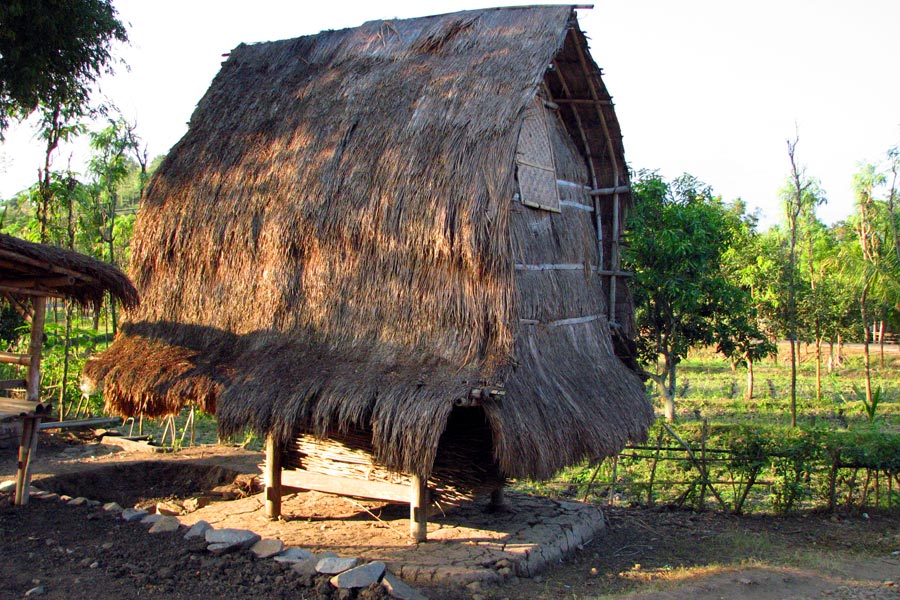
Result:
[713,88]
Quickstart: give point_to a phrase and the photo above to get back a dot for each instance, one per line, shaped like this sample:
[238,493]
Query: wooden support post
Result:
[418,510]
[498,503]
[30,427]
[33,379]
[273,477]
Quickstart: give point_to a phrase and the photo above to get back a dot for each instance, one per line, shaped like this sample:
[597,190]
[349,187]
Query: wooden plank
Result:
[345,486]
[11,384]
[80,423]
[12,408]
[273,477]
[15,359]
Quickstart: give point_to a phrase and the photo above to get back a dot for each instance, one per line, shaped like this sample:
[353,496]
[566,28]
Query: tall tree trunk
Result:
[863,313]
[749,376]
[818,362]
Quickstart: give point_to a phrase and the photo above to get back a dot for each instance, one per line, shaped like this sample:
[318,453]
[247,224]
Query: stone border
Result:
[346,573]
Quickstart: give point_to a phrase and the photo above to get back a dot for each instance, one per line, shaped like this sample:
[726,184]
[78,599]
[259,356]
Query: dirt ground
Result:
[83,552]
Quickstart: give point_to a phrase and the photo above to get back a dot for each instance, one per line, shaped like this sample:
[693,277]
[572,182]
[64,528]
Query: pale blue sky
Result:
[713,88]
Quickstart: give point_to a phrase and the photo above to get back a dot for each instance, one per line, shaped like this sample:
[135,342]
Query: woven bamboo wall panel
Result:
[535,170]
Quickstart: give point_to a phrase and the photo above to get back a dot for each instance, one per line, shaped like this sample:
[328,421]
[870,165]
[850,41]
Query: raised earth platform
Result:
[465,544]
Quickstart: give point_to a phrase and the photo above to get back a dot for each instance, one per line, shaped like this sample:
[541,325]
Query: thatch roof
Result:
[330,246]
[30,269]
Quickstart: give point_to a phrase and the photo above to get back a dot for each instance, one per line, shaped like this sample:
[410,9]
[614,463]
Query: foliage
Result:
[51,52]
[678,236]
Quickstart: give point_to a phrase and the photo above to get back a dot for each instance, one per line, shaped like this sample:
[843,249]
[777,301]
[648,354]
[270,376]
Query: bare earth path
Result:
[78,552]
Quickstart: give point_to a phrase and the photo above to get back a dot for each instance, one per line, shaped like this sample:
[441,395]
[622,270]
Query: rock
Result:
[48,496]
[35,591]
[79,501]
[335,565]
[165,524]
[192,504]
[395,586]
[306,568]
[168,508]
[65,498]
[151,519]
[198,529]
[295,555]
[93,503]
[8,486]
[112,507]
[267,548]
[359,577]
[133,514]
[227,540]
[107,546]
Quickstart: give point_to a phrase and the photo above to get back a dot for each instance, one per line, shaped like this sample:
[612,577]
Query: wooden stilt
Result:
[498,500]
[273,477]
[33,378]
[418,510]
[30,428]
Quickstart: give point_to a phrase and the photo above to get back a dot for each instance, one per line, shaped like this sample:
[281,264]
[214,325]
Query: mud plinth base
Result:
[467,543]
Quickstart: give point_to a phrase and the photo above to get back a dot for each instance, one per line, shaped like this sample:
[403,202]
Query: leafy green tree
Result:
[52,52]
[109,164]
[677,236]
[741,330]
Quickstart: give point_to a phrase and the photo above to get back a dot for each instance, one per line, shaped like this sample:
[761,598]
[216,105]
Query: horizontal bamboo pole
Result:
[15,359]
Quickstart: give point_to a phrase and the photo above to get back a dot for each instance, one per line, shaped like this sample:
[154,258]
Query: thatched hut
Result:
[29,274]
[394,247]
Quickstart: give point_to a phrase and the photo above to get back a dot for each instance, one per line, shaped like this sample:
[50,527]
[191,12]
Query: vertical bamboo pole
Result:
[418,505]
[30,428]
[33,379]
[273,477]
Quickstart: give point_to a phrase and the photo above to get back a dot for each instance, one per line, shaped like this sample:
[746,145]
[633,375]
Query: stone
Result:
[35,591]
[165,524]
[294,555]
[48,496]
[335,565]
[65,498]
[112,507]
[359,577]
[168,508]
[396,588]
[198,529]
[79,501]
[192,504]
[227,540]
[151,519]
[133,514]
[267,548]
[306,568]
[94,503]
[8,486]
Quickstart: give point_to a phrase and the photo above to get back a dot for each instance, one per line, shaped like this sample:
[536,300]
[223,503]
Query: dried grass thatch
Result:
[333,245]
[30,269]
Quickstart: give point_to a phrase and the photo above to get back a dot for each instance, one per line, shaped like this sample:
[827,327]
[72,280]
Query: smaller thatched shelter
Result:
[394,251]
[29,274]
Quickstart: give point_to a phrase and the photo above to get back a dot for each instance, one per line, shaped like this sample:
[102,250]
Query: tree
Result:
[800,199]
[740,330]
[874,269]
[51,53]
[109,164]
[677,235]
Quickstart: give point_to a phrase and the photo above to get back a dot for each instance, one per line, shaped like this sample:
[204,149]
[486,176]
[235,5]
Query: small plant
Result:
[870,408]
